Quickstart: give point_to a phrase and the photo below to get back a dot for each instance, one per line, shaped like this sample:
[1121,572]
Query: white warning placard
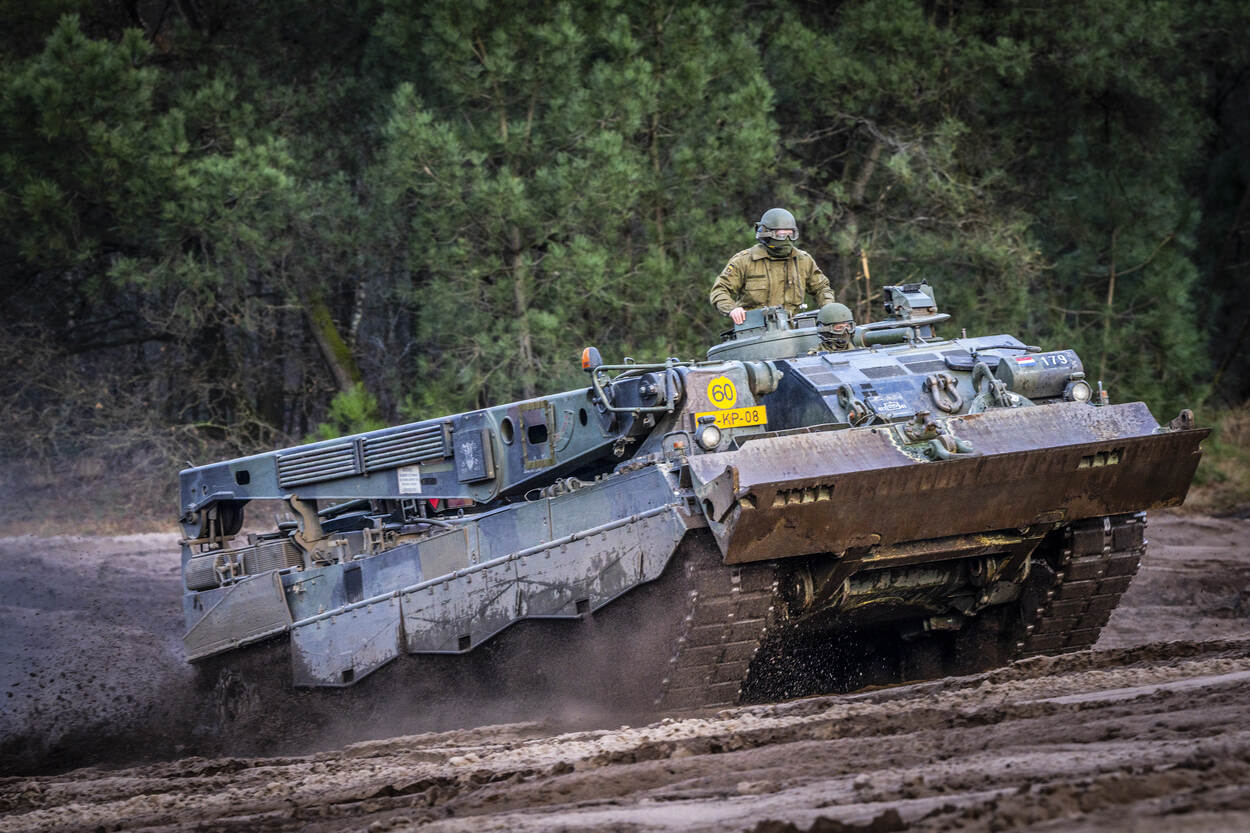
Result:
[409,480]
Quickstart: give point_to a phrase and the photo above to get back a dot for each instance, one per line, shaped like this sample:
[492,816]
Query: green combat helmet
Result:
[835,324]
[777,231]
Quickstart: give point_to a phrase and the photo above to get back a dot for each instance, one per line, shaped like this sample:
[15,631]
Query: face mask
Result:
[778,248]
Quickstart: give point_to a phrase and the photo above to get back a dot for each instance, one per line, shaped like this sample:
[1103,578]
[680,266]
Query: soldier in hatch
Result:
[836,325]
[772,273]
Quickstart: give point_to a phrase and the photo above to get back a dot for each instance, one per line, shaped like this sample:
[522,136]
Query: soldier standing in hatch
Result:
[772,273]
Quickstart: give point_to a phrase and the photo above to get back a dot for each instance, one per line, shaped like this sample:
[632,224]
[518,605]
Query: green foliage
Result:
[239,219]
[1116,212]
[161,202]
[1033,162]
[352,411]
[1222,482]
[560,176]
[894,161]
[76,151]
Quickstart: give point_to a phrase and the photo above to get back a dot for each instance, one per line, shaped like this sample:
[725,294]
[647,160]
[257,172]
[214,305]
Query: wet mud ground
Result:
[1149,731]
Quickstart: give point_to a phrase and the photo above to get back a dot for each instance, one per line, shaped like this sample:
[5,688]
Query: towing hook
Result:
[946,447]
[922,427]
[943,388]
[997,388]
[856,410]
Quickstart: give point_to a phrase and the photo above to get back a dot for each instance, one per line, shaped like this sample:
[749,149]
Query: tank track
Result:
[728,612]
[731,612]
[1099,558]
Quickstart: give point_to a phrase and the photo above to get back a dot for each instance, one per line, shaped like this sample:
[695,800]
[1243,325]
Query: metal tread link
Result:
[1099,561]
[728,612]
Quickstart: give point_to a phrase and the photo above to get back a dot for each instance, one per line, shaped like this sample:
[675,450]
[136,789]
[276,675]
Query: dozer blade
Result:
[830,491]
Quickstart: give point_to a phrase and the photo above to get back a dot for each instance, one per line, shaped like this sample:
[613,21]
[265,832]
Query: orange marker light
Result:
[591,359]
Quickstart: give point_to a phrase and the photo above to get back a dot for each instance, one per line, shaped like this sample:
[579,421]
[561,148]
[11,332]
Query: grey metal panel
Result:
[596,569]
[462,610]
[881,371]
[341,649]
[537,417]
[521,525]
[398,567]
[474,455]
[822,379]
[445,553]
[626,494]
[622,533]
[248,612]
[310,591]
[475,606]
[925,367]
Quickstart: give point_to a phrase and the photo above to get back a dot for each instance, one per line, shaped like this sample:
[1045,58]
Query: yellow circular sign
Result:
[721,392]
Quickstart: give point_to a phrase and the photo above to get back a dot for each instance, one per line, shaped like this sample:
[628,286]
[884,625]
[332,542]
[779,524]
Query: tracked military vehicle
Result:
[814,519]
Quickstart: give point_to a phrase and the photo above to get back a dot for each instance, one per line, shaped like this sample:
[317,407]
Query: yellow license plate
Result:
[737,417]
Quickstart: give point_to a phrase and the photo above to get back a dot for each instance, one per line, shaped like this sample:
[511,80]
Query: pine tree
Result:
[570,176]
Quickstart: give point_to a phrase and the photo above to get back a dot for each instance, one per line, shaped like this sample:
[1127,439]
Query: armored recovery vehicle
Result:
[812,519]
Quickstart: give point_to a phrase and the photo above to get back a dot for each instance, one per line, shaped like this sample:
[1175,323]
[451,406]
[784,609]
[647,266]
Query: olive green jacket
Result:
[753,279]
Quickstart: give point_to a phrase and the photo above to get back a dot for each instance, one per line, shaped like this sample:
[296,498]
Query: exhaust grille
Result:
[415,445]
[361,455]
[326,463]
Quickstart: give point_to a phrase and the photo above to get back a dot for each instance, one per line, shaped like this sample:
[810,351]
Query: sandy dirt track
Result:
[1148,732]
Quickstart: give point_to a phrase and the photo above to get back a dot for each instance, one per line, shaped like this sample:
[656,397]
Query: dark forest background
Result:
[226,226]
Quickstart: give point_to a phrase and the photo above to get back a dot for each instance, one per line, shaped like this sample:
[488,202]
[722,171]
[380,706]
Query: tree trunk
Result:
[358,314]
[658,174]
[334,349]
[525,344]
[1109,313]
